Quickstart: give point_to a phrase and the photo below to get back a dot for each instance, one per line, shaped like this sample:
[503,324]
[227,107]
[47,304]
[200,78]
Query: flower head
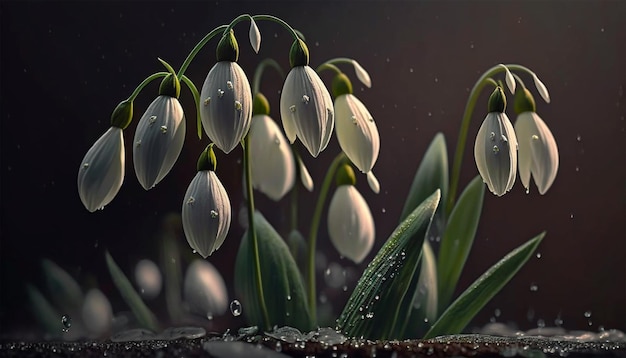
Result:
[538,152]
[495,149]
[272,162]
[206,212]
[350,222]
[101,171]
[306,107]
[158,140]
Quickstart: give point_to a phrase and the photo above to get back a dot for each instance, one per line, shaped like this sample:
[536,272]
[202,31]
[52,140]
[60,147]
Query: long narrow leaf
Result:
[461,311]
[458,238]
[373,307]
[144,316]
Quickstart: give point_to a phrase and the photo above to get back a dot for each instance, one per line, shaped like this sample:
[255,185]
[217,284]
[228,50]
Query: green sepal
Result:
[299,54]
[341,85]
[497,101]
[524,101]
[260,105]
[170,86]
[122,114]
[345,175]
[472,300]
[381,297]
[196,99]
[207,159]
[227,48]
[458,238]
[282,283]
[145,317]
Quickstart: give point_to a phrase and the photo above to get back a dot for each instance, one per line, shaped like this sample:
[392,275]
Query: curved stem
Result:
[252,232]
[315,222]
[293,32]
[328,66]
[198,47]
[519,80]
[144,83]
[258,73]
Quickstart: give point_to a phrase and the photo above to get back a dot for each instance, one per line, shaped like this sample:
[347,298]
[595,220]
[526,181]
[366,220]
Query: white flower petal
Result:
[510,81]
[356,132]
[148,278]
[305,176]
[362,74]
[255,36]
[350,224]
[372,181]
[204,289]
[541,88]
[272,164]
[101,171]
[159,139]
[226,105]
[539,151]
[206,213]
[495,152]
[96,312]
[306,109]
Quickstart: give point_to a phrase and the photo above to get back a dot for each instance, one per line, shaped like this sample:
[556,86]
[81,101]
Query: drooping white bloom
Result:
[101,172]
[356,132]
[538,152]
[508,78]
[541,88]
[206,213]
[204,289]
[306,109]
[96,312]
[272,162]
[362,74]
[148,278]
[350,223]
[305,176]
[495,152]
[158,140]
[255,36]
[226,105]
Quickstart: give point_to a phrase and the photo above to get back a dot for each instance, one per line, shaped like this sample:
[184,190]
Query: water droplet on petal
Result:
[214,214]
[492,136]
[305,99]
[371,119]
[527,190]
[276,140]
[152,120]
[66,321]
[220,93]
[292,108]
[238,105]
[207,100]
[496,149]
[354,121]
[86,165]
[229,85]
[191,200]
[163,129]
[138,143]
[504,139]
[235,308]
[535,137]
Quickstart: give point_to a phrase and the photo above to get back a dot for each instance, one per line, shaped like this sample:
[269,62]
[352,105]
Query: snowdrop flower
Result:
[206,209]
[495,149]
[97,313]
[356,130]
[101,171]
[204,289]
[272,162]
[158,140]
[350,222]
[226,98]
[306,107]
[255,36]
[538,152]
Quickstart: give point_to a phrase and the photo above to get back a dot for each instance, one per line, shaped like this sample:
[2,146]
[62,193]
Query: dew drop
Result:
[527,190]
[571,216]
[214,214]
[492,136]
[220,93]
[235,308]
[587,314]
[229,85]
[152,119]
[288,297]
[276,140]
[191,200]
[534,287]
[371,119]
[578,138]
[278,347]
[238,105]
[354,121]
[305,99]
[292,108]
[66,321]
[163,129]
[496,149]
[207,100]
[86,165]
[138,143]
[504,139]
[535,137]
[538,255]
[209,316]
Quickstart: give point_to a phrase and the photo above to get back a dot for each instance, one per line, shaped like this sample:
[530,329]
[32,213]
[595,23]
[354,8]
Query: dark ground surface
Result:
[258,346]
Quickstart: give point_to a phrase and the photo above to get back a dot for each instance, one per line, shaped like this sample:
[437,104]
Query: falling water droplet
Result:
[66,321]
[229,85]
[238,105]
[209,316]
[538,255]
[163,129]
[214,214]
[305,99]
[571,216]
[527,190]
[220,93]
[235,308]
[496,149]
[292,108]
[278,347]
[587,314]
[497,312]
[207,100]
[534,287]
[288,297]
[578,138]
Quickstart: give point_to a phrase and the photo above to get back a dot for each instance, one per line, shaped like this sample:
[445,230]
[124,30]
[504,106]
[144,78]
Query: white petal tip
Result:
[362,74]
[373,182]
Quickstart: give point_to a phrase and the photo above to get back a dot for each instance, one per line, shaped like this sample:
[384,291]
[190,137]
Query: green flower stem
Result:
[198,47]
[144,83]
[258,73]
[252,232]
[467,117]
[315,223]
[328,66]
[519,80]
[294,207]
[196,99]
[293,32]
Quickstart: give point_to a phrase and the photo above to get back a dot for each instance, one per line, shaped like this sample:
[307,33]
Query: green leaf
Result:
[282,284]
[44,312]
[461,311]
[431,175]
[61,286]
[458,238]
[143,314]
[196,99]
[381,293]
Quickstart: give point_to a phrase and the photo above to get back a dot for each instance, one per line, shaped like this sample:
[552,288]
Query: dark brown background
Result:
[65,65]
